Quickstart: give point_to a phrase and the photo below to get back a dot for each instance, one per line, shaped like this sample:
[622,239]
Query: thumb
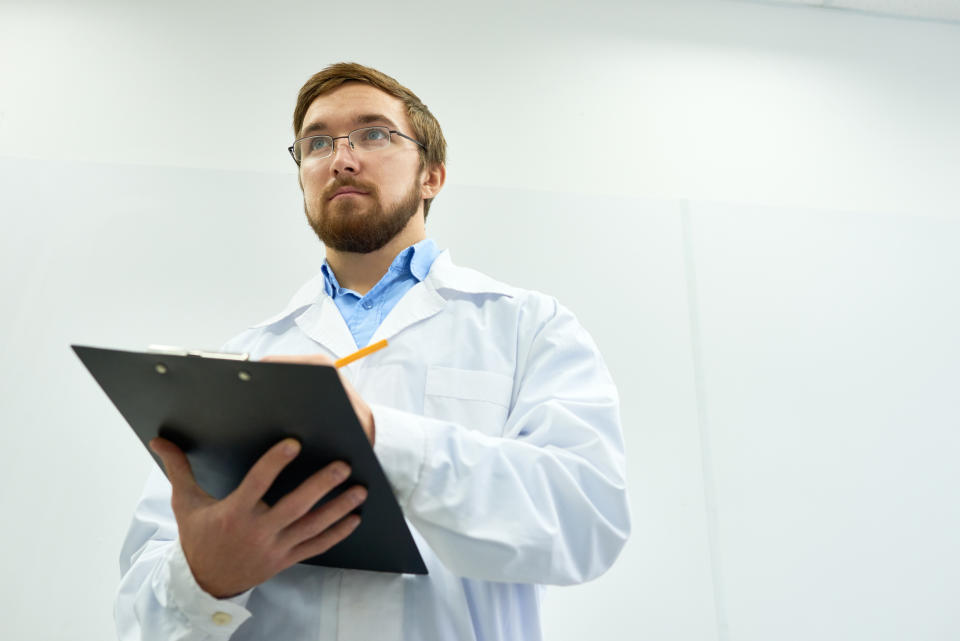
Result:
[177,467]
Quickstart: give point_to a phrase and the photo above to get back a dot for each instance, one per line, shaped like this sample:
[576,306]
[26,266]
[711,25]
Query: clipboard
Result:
[225,412]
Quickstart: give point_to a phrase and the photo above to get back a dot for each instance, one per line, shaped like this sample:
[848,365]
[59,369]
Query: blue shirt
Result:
[363,314]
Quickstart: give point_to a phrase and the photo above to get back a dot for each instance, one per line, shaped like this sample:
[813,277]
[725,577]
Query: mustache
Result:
[348,182]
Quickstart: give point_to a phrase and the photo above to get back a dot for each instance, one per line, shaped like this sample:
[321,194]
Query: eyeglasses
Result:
[365,139]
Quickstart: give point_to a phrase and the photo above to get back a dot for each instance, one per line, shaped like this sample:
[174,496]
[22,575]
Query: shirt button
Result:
[221,618]
[367,305]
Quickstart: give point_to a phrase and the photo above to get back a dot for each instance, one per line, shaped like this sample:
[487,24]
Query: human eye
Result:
[319,143]
[370,138]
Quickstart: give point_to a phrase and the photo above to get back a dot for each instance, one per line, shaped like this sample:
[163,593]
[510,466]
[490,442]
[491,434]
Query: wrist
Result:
[177,587]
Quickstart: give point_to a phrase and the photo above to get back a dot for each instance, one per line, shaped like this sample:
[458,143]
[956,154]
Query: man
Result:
[491,413]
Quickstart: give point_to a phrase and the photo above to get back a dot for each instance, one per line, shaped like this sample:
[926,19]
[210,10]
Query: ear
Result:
[432,181]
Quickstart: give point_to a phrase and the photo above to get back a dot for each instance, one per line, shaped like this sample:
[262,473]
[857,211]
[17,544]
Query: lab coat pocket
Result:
[472,398]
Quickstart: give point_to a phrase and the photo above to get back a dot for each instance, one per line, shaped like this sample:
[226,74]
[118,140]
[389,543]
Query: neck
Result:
[360,272]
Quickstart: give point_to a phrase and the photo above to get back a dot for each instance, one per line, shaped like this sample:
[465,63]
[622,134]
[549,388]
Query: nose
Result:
[343,158]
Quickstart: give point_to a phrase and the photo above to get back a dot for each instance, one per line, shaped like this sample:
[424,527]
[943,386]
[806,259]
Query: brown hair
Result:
[426,129]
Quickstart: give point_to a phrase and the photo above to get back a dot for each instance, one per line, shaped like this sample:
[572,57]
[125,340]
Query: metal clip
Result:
[179,351]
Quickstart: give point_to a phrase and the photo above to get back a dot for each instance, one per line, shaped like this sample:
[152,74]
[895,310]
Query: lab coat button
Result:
[221,618]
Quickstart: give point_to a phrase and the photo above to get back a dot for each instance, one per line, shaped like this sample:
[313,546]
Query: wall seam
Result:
[706,459]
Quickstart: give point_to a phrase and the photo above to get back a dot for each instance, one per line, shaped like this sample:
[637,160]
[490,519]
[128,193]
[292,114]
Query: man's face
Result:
[357,201]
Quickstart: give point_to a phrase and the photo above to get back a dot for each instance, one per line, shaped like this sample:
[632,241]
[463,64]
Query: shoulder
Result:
[534,315]
[445,275]
[450,280]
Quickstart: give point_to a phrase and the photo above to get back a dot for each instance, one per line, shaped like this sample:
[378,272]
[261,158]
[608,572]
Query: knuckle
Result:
[224,520]
[345,502]
[314,524]
[259,538]
[357,495]
[337,472]
[318,487]
[256,482]
[349,500]
[253,537]
[348,525]
[220,522]
[276,558]
[320,544]
[323,523]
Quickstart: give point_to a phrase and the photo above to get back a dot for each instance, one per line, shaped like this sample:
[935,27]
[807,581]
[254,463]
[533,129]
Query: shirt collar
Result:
[423,255]
[415,260]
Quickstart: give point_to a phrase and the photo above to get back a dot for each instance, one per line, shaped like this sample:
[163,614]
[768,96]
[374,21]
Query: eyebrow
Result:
[364,119]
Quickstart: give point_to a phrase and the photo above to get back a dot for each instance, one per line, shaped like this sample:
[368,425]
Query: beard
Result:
[352,224]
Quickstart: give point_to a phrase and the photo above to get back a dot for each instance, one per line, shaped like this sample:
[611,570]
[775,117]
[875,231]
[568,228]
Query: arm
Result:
[545,503]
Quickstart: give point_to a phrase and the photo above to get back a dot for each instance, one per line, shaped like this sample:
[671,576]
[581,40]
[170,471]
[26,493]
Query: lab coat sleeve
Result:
[544,503]
[158,598]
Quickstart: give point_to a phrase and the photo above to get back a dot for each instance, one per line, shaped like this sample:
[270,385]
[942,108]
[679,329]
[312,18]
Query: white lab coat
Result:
[497,425]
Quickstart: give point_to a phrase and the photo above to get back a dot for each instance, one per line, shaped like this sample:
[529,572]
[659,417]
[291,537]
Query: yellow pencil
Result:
[357,355]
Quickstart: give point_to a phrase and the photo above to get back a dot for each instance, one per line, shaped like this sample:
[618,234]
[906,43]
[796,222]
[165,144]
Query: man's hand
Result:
[239,542]
[360,407]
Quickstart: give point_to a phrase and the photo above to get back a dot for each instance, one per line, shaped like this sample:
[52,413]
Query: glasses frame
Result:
[334,139]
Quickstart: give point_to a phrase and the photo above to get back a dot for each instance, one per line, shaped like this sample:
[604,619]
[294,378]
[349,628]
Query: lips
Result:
[344,191]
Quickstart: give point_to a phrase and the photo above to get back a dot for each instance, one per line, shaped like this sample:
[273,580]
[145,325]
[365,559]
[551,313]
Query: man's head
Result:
[390,185]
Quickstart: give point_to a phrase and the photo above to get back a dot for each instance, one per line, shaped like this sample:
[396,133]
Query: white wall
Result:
[767,260]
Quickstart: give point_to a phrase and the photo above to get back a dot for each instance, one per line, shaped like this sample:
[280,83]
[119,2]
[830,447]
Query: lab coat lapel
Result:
[421,302]
[323,323]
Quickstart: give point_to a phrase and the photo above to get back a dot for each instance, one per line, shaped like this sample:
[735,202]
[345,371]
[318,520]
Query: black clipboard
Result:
[224,413]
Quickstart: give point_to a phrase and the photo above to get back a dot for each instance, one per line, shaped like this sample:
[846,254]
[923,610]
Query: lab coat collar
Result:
[317,315]
[323,323]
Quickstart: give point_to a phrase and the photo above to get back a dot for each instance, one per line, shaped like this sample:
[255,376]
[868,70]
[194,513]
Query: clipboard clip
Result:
[171,350]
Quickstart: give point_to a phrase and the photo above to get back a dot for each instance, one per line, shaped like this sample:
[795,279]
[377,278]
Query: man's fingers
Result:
[326,540]
[321,519]
[264,472]
[300,501]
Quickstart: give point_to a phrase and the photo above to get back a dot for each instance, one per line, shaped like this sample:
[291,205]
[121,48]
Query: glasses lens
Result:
[313,147]
[370,138]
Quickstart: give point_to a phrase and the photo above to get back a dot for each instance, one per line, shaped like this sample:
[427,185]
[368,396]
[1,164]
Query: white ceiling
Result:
[938,10]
